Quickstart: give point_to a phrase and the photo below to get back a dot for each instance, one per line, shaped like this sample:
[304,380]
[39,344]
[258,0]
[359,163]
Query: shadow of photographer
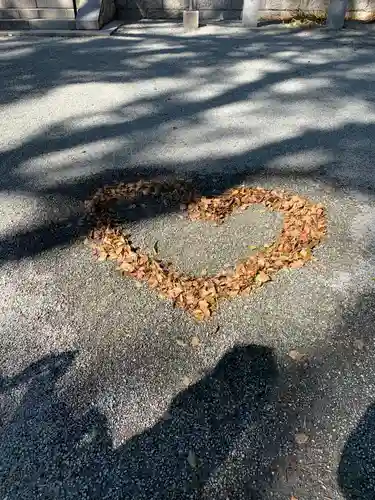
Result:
[226,420]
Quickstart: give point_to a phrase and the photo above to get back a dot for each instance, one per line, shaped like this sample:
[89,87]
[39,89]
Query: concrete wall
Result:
[37,14]
[231,9]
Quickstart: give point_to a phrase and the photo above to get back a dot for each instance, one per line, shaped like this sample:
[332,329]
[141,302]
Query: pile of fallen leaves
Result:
[303,228]
[306,19]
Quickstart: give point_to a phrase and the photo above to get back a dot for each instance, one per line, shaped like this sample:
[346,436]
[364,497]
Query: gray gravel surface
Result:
[207,247]
[103,394]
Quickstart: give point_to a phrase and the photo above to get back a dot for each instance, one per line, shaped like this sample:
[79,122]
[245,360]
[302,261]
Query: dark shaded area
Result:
[356,471]
[356,474]
[40,454]
[46,452]
[230,435]
[25,74]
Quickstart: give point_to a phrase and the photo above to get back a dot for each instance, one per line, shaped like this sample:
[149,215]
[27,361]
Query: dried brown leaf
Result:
[262,277]
[296,355]
[190,299]
[301,438]
[297,264]
[127,267]
[205,308]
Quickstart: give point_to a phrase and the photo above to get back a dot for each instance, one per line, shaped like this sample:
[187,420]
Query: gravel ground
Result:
[105,392]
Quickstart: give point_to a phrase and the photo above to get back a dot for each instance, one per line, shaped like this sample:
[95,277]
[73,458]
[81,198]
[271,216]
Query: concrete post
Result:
[250,13]
[190,18]
[336,14]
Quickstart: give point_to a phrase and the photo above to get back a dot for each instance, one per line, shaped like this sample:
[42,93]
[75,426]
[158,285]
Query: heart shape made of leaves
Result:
[304,227]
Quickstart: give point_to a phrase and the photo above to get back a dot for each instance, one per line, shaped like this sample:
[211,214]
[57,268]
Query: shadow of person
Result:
[44,451]
[217,439]
[356,472]
[222,421]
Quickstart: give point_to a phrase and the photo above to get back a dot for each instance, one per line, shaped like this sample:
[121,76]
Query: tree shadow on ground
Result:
[342,157]
[47,452]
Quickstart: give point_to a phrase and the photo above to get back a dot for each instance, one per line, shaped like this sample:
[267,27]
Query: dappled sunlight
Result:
[153,99]
[254,70]
[274,109]
[12,212]
[365,72]
[300,161]
[17,51]
[300,86]
[287,55]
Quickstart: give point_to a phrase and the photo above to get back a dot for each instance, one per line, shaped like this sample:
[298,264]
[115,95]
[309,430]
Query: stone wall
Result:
[231,9]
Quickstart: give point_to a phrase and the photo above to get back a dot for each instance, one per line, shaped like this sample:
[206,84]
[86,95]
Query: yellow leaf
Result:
[198,314]
[262,277]
[306,253]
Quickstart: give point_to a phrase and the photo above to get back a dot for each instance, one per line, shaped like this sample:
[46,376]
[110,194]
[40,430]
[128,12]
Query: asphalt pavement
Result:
[106,390]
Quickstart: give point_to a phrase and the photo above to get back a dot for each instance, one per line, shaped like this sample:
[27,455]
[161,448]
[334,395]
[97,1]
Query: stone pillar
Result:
[250,13]
[336,14]
[190,20]
[93,14]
